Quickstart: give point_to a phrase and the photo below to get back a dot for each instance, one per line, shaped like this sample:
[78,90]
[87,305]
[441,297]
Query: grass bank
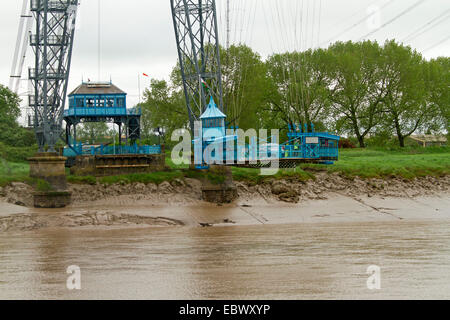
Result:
[366,163]
[382,163]
[19,172]
[13,172]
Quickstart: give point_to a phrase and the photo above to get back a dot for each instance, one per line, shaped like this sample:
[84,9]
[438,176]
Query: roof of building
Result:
[429,138]
[97,88]
[212,111]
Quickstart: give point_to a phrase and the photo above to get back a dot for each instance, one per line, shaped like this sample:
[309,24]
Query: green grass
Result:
[172,165]
[378,163]
[366,163]
[20,172]
[13,172]
[16,154]
[154,177]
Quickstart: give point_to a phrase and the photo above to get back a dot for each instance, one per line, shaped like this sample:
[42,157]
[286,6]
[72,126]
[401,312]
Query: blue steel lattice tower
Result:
[196,32]
[52,44]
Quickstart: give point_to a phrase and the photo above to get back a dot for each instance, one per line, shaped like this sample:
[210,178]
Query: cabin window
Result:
[90,102]
[101,102]
[120,102]
[79,102]
[110,102]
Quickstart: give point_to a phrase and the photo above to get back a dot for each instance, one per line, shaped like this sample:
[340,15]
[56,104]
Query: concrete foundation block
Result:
[50,167]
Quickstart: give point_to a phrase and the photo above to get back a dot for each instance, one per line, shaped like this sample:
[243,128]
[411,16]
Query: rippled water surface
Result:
[299,261]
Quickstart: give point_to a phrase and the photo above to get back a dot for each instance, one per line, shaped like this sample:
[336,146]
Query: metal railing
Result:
[33,74]
[80,149]
[52,40]
[95,112]
[58,5]
[32,100]
[101,112]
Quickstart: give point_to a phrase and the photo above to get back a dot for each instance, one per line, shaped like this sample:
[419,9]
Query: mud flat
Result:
[328,198]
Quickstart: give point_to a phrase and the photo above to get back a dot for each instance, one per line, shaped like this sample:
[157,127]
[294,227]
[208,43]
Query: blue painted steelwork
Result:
[102,112]
[80,149]
[310,145]
[302,145]
[213,122]
[103,102]
[212,136]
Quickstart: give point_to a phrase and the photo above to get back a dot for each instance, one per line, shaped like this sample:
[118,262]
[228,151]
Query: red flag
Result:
[205,85]
[145,75]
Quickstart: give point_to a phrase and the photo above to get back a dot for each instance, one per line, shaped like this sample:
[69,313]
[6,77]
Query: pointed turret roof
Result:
[212,111]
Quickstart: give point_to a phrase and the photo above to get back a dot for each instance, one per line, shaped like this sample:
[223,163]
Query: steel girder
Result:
[196,32]
[52,45]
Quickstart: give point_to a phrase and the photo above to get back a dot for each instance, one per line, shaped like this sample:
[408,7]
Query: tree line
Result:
[360,89]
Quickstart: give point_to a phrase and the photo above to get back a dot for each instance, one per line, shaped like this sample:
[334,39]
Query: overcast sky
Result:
[137,35]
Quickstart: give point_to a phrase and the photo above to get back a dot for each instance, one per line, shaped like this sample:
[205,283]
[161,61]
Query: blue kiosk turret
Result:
[213,122]
[213,137]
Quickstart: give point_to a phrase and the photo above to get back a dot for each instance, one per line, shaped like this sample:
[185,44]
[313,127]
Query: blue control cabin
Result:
[103,102]
[304,144]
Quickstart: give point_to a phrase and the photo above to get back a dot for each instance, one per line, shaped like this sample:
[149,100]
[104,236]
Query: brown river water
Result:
[271,261]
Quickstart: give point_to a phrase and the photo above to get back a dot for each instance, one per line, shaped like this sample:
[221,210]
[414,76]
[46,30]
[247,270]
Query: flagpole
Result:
[139,87]
[200,92]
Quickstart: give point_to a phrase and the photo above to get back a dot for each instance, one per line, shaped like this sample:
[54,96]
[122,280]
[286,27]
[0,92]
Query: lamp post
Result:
[160,132]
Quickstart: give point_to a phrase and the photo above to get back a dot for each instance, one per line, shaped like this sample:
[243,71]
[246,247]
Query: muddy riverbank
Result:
[328,198]
[188,191]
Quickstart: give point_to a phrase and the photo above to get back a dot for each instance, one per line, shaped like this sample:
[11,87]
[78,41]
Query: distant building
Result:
[429,140]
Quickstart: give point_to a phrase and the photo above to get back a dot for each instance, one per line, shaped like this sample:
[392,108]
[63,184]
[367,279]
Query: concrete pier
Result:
[50,167]
[225,192]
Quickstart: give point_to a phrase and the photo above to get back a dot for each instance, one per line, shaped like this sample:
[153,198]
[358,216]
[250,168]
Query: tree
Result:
[356,87]
[408,86]
[9,113]
[438,72]
[164,107]
[301,88]
[245,86]
[93,132]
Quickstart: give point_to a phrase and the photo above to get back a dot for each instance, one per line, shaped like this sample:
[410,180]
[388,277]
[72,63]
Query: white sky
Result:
[137,35]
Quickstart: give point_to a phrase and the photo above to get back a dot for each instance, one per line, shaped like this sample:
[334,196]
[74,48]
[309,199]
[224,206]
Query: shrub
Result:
[346,144]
